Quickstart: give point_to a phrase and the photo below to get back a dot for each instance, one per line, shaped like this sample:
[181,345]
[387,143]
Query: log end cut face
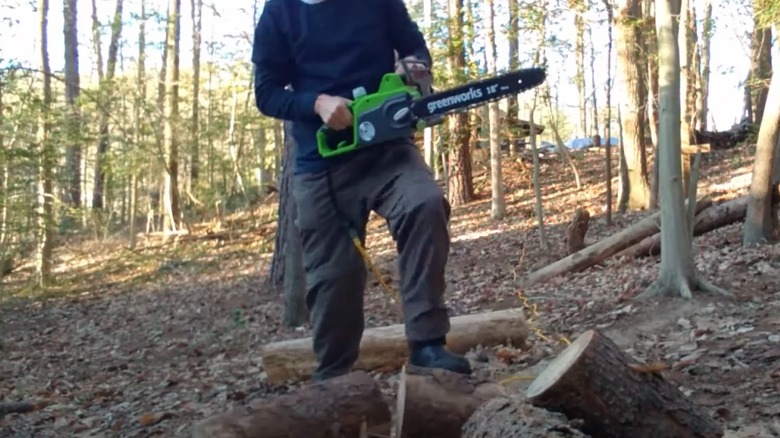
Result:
[559,366]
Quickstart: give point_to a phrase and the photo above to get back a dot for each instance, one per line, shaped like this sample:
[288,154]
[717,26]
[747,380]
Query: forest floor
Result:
[146,342]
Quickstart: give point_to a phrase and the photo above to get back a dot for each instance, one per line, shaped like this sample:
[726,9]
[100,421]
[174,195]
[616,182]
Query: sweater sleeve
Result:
[405,34]
[274,69]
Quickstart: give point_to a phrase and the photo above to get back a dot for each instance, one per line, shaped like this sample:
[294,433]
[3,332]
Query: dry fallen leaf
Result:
[151,419]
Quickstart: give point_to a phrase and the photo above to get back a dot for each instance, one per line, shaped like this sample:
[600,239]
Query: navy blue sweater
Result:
[330,47]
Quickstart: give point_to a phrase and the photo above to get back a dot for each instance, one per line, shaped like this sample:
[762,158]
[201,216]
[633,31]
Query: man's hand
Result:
[333,111]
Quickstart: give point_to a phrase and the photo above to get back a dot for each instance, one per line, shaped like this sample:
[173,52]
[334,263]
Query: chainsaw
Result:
[407,102]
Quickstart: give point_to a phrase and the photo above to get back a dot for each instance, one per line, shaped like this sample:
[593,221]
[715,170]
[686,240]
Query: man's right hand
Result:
[333,111]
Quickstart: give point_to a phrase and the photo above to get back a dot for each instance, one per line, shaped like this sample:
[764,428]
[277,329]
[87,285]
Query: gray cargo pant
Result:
[395,182]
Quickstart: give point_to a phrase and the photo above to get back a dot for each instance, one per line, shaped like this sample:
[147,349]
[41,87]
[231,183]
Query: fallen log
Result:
[710,219]
[386,347]
[345,406]
[593,381]
[513,417]
[604,248]
[437,403]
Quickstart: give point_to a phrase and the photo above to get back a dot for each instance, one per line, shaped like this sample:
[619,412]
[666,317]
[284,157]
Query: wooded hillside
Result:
[151,276]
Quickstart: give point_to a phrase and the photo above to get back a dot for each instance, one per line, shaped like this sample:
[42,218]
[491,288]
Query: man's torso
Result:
[335,46]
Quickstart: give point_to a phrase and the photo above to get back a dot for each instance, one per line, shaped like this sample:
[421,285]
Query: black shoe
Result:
[436,355]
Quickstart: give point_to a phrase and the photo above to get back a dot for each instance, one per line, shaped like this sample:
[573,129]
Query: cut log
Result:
[342,406]
[604,248]
[710,219]
[513,417]
[437,403]
[614,397]
[386,347]
[576,230]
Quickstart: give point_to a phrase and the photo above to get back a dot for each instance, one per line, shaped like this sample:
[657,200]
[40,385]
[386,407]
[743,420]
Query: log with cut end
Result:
[386,347]
[436,403]
[603,249]
[343,406]
[513,417]
[593,381]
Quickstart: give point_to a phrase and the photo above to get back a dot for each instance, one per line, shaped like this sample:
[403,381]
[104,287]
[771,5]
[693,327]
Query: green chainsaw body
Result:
[368,112]
[406,103]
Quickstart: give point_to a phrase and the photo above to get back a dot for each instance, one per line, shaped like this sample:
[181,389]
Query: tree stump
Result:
[595,382]
[436,403]
[339,407]
[513,417]
[575,232]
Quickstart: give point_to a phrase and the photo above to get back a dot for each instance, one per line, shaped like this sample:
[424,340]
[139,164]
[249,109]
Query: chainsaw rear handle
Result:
[332,142]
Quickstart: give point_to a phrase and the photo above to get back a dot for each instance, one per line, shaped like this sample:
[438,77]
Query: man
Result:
[324,49]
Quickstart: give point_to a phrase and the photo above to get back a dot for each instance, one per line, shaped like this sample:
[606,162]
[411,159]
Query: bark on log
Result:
[576,230]
[437,403]
[604,248]
[513,417]
[595,382]
[386,347]
[710,219]
[336,407]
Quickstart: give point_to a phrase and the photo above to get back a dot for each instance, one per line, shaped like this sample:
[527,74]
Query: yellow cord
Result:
[389,290]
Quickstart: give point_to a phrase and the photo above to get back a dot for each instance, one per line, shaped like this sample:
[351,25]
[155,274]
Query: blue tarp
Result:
[585,142]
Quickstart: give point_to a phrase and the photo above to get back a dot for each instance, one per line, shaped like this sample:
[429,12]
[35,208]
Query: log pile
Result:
[591,389]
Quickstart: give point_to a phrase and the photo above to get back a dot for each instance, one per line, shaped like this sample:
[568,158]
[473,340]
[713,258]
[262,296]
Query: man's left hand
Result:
[417,69]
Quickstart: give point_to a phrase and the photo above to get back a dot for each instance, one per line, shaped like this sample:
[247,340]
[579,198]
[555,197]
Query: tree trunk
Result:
[760,67]
[428,150]
[72,92]
[461,185]
[386,347]
[171,217]
[631,73]
[437,403]
[759,221]
[594,381]
[140,100]
[107,88]
[512,125]
[608,122]
[576,230]
[651,51]
[595,131]
[346,406]
[196,8]
[498,204]
[45,231]
[677,273]
[294,278]
[579,51]
[704,84]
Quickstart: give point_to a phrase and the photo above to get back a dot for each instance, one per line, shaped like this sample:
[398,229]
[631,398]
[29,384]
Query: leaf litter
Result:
[146,342]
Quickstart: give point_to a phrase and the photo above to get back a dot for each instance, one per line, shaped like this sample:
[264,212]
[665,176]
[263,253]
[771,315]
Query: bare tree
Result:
[45,244]
[98,197]
[759,221]
[72,91]
[678,274]
[631,74]
[196,15]
[170,118]
[498,204]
